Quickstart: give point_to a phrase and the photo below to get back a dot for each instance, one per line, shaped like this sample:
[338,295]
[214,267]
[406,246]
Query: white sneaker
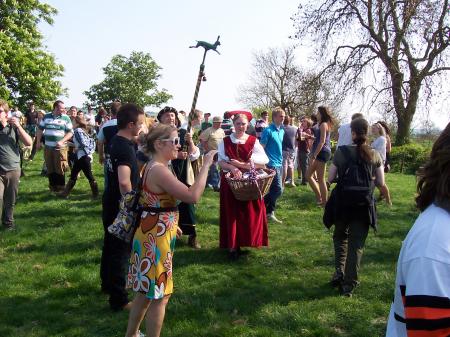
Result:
[272,217]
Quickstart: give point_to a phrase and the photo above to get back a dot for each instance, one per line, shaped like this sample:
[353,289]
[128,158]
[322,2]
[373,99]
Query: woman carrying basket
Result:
[242,223]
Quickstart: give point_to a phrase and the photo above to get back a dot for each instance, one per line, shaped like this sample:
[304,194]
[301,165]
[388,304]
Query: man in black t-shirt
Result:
[122,177]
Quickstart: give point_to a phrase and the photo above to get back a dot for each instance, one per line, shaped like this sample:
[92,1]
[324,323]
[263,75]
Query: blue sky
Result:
[87,33]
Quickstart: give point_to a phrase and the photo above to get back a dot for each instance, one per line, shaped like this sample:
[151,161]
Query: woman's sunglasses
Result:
[175,141]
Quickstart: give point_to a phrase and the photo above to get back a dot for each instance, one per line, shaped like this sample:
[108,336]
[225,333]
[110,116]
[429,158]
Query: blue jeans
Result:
[276,188]
[213,176]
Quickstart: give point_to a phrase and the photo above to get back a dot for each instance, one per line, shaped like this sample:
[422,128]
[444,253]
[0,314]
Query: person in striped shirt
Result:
[227,124]
[56,127]
[421,306]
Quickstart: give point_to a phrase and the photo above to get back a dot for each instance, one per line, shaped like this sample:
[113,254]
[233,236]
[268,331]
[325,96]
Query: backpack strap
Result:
[346,152]
[347,159]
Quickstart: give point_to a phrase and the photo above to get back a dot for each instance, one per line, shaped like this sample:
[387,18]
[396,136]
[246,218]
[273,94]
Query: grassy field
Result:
[49,271]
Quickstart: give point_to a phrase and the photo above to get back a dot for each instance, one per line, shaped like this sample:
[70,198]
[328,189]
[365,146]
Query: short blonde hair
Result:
[276,111]
[4,105]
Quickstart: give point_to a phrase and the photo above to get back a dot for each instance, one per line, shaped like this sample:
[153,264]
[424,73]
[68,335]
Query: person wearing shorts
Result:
[320,154]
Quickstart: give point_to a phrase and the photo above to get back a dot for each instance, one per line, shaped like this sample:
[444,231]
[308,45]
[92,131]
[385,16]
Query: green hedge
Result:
[408,158]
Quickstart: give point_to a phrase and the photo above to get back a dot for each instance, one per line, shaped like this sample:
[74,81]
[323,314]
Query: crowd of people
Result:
[170,160]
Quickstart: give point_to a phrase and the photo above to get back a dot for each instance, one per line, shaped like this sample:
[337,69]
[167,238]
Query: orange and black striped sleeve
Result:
[425,316]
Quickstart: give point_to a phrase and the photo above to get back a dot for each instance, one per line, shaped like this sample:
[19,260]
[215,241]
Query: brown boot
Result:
[193,243]
[65,193]
[94,188]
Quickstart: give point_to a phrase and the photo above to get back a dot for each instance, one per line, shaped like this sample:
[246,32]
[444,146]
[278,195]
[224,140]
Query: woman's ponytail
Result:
[360,127]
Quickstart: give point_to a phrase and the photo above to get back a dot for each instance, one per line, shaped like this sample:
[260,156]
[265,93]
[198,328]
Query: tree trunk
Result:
[403,127]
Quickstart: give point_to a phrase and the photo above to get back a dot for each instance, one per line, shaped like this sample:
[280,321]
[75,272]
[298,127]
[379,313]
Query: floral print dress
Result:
[150,269]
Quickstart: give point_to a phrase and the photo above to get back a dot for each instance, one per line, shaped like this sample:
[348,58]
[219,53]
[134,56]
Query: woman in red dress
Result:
[242,223]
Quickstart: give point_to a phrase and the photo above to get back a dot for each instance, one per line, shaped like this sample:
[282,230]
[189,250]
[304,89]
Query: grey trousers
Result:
[349,239]
[9,187]
[302,162]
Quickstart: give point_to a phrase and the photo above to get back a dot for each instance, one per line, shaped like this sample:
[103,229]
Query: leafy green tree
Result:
[27,70]
[132,80]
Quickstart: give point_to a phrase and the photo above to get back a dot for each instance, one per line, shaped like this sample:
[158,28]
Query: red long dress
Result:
[242,223]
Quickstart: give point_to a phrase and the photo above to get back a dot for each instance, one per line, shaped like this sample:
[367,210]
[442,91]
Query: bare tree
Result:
[276,80]
[402,42]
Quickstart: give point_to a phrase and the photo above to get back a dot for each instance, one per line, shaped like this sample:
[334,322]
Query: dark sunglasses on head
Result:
[175,141]
[169,109]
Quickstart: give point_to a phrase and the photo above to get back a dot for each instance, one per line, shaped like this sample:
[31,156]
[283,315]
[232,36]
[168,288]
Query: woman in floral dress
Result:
[150,271]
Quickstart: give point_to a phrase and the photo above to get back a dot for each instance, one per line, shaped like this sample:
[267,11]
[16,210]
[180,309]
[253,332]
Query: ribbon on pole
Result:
[201,74]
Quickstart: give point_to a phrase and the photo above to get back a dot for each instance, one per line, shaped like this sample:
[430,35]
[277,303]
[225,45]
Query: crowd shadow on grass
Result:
[229,297]
[31,196]
[205,256]
[56,247]
[63,310]
[53,216]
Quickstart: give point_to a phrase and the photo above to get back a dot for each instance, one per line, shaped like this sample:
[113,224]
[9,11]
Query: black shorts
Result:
[324,156]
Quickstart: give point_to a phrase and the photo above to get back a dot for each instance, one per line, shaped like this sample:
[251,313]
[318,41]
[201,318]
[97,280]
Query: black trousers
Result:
[114,261]
[82,164]
[187,218]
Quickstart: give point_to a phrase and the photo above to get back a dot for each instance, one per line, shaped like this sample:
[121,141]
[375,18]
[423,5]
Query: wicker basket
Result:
[245,190]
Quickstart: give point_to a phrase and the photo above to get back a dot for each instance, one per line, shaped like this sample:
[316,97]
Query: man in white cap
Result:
[210,139]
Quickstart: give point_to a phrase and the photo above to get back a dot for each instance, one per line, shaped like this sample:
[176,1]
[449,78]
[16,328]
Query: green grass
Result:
[49,271]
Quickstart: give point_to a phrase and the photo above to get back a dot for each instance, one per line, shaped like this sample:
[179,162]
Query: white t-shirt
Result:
[379,145]
[258,154]
[90,118]
[345,135]
[422,286]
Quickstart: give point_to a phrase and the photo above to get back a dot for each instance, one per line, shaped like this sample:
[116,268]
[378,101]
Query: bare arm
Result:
[191,146]
[230,166]
[38,139]
[65,139]
[23,135]
[164,180]
[124,177]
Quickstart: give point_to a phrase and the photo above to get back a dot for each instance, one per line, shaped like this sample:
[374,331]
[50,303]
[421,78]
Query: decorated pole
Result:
[201,74]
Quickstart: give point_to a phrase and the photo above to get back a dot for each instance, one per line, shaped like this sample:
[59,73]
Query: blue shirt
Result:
[272,140]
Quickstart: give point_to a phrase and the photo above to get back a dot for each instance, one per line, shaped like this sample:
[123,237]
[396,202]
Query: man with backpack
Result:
[351,205]
[10,133]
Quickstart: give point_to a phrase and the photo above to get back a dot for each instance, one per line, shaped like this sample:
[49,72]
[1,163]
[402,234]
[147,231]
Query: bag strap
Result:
[139,189]
[347,159]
